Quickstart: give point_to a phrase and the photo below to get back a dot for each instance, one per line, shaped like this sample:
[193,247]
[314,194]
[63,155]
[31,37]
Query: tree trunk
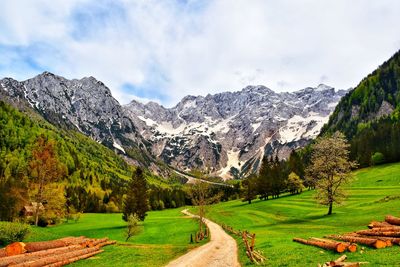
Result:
[372,242]
[375,224]
[43,261]
[393,240]
[330,208]
[26,257]
[335,246]
[392,220]
[37,215]
[390,233]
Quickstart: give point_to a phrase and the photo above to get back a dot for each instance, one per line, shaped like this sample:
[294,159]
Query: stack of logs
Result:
[379,235]
[53,253]
[249,241]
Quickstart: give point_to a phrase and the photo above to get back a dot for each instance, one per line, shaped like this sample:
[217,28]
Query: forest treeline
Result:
[369,116]
[93,177]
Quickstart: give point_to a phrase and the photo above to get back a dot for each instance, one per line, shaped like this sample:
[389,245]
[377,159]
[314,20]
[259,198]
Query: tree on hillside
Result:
[330,168]
[279,176]
[249,191]
[264,180]
[294,183]
[137,199]
[296,164]
[45,169]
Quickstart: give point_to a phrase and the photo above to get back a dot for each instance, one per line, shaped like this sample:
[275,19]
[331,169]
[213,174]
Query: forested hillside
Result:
[369,116]
[94,177]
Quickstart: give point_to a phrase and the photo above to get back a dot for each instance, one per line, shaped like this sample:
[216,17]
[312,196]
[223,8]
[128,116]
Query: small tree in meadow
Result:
[137,199]
[294,183]
[132,227]
[330,168]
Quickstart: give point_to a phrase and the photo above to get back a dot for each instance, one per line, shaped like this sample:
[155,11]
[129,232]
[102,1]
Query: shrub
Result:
[12,232]
[377,158]
[132,227]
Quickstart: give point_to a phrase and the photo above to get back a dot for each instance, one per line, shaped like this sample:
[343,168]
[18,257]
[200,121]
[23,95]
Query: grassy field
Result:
[164,236]
[374,193]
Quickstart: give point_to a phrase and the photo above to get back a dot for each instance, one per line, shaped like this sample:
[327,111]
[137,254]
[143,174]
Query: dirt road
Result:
[220,251]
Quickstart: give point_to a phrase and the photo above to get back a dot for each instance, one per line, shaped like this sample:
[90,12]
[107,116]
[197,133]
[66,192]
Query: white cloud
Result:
[168,49]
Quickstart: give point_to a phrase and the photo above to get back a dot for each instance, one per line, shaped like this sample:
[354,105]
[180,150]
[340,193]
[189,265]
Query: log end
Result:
[380,244]
[352,248]
[15,248]
[340,247]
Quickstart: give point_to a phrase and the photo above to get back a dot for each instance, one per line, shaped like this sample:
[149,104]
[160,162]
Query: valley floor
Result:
[374,193]
[165,236]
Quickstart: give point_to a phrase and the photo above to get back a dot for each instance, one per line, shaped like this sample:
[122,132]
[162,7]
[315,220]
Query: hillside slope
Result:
[369,115]
[96,177]
[374,193]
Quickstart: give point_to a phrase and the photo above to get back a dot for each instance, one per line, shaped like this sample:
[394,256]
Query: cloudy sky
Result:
[164,50]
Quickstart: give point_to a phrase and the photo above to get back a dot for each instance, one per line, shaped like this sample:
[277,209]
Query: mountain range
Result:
[225,134]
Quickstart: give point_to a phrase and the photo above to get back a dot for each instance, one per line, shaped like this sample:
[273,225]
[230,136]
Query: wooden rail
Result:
[249,241]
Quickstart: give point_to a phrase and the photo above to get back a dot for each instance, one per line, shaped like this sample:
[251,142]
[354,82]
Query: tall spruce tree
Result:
[264,180]
[137,199]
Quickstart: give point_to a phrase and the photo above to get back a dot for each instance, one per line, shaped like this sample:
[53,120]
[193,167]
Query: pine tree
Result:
[264,180]
[137,200]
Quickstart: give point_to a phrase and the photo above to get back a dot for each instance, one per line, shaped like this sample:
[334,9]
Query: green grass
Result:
[373,193]
[164,236]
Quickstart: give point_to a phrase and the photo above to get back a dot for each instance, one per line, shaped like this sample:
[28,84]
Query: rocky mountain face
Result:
[227,134]
[85,105]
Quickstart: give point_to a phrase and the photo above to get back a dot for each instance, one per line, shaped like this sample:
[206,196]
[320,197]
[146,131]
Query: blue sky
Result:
[164,50]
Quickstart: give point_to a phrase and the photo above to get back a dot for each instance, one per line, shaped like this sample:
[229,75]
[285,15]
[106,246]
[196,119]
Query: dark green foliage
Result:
[137,200]
[381,136]
[12,232]
[96,178]
[249,191]
[359,115]
[377,158]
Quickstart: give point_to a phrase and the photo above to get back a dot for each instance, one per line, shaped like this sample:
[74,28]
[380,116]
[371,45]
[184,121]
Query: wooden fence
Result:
[249,241]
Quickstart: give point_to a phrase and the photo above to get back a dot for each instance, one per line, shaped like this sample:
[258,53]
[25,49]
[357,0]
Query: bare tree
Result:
[201,196]
[330,168]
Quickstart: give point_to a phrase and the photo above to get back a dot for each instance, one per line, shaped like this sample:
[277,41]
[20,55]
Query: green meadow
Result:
[164,236]
[373,193]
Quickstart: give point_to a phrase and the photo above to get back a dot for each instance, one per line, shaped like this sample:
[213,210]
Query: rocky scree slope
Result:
[227,134]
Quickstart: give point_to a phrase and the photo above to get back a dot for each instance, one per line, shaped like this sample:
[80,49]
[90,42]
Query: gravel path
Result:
[220,251]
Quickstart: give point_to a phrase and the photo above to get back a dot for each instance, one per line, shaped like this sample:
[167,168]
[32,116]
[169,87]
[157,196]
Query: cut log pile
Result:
[53,253]
[341,262]
[328,244]
[249,241]
[379,235]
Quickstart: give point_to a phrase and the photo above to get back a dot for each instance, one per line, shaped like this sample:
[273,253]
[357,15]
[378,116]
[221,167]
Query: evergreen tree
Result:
[264,180]
[137,200]
[249,189]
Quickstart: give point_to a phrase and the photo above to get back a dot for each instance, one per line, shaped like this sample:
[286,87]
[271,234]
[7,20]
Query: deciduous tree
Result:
[45,169]
[330,168]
